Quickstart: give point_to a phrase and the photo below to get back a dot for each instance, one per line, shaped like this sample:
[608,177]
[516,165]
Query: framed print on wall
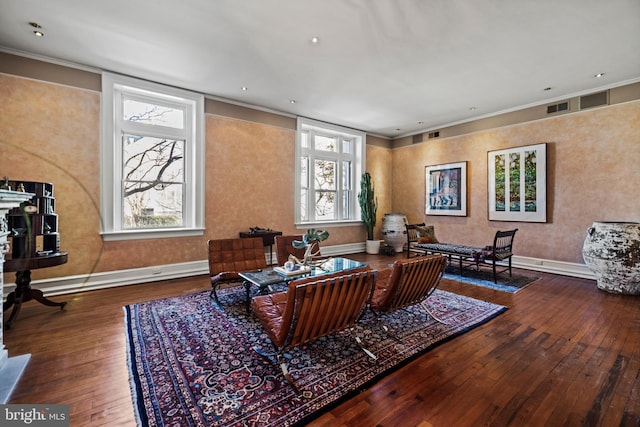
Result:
[518,184]
[446,189]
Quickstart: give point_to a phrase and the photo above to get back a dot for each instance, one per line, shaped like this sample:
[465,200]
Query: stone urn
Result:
[394,230]
[612,251]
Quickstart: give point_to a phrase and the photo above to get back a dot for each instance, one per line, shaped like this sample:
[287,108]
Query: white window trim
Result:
[358,169]
[111,162]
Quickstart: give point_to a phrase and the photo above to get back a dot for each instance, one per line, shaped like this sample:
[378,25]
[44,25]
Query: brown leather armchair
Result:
[228,257]
[284,248]
[407,282]
[312,308]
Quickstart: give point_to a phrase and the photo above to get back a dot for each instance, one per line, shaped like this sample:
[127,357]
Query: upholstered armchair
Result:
[228,257]
[312,308]
[407,282]
[284,248]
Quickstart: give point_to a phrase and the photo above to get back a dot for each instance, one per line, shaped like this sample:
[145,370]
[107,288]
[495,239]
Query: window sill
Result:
[109,236]
[347,223]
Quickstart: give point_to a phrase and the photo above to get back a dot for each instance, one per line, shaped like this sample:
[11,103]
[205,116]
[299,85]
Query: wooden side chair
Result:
[501,250]
[311,308]
[408,282]
[284,248]
[228,257]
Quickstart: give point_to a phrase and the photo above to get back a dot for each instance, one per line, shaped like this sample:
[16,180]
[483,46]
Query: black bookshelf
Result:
[34,225]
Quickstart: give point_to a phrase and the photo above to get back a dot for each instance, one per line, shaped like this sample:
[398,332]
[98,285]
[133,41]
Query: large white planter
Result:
[394,230]
[612,251]
[372,247]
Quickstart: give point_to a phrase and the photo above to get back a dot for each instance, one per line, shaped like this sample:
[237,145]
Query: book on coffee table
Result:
[298,269]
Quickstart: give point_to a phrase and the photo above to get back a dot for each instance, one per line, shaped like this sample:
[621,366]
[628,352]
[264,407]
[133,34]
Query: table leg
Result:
[247,286]
[24,293]
[16,301]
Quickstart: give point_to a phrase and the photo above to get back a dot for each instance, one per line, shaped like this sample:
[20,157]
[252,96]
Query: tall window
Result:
[330,160]
[152,160]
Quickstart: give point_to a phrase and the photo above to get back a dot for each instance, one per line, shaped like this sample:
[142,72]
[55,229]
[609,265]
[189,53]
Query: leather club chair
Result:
[311,308]
[284,248]
[407,282]
[228,257]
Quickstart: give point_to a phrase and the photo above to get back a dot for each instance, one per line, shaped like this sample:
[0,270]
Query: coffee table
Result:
[263,279]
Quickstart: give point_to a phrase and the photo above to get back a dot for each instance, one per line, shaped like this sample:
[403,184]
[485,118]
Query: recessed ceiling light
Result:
[420,122]
[548,88]
[244,88]
[315,40]
[37,27]
[473,108]
[599,75]
[292,101]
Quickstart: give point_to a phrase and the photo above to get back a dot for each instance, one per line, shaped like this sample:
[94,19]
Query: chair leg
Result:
[287,375]
[283,366]
[368,353]
[425,308]
[214,295]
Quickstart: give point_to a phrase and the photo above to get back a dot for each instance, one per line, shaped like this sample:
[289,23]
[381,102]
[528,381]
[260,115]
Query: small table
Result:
[23,291]
[268,238]
[263,279]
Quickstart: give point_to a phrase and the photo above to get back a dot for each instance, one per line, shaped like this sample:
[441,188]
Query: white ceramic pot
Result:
[612,251]
[394,230]
[372,246]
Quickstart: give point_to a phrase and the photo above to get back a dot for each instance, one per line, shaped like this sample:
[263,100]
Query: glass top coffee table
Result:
[266,277]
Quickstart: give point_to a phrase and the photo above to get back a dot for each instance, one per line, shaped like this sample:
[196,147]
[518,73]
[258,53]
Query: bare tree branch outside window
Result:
[153,173]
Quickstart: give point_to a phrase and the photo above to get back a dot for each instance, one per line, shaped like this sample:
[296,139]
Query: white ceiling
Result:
[388,67]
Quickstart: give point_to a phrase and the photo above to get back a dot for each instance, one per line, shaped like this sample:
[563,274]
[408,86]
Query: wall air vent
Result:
[417,139]
[556,108]
[594,100]
[434,134]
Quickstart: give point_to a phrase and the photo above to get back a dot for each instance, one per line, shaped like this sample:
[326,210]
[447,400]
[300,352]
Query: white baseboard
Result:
[556,267]
[110,279]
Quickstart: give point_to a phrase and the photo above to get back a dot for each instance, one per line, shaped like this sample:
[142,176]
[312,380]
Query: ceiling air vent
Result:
[556,108]
[434,134]
[594,100]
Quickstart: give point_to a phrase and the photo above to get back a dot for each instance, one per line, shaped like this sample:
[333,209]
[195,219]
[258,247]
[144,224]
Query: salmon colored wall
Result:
[250,172]
[379,165]
[593,174]
[50,132]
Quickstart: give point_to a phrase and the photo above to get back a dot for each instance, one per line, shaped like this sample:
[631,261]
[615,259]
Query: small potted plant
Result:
[368,209]
[308,242]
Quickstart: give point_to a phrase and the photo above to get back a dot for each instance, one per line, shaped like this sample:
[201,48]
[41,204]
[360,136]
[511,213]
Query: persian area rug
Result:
[484,278]
[192,363]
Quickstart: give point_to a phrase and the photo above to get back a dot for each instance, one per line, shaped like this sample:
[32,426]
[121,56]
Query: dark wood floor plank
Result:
[564,353]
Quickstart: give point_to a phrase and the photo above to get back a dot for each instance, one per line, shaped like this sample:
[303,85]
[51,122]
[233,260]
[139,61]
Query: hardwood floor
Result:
[564,353]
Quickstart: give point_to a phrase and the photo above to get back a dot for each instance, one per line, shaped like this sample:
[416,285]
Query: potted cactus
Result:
[368,209]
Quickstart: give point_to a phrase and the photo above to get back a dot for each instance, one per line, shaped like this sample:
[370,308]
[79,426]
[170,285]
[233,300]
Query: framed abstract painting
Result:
[518,184]
[446,189]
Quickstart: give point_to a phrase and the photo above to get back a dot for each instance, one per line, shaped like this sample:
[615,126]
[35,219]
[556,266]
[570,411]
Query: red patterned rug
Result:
[192,362]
